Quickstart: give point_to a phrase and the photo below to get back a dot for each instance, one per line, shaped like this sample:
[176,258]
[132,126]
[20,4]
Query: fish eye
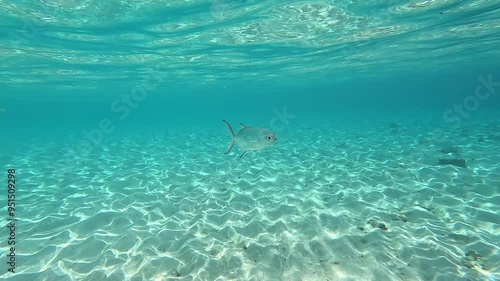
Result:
[268,137]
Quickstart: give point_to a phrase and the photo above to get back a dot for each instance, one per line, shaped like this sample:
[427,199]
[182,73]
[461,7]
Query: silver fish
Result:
[250,138]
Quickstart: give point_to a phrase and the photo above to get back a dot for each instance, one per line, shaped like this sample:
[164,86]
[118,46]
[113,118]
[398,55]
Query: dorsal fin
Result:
[243,125]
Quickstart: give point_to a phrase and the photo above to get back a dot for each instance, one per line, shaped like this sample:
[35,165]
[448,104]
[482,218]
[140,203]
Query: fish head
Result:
[268,138]
[271,138]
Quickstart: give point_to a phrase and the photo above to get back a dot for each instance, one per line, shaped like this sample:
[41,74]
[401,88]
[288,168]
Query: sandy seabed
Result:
[324,203]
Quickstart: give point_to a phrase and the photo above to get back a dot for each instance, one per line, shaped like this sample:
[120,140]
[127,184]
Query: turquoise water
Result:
[386,165]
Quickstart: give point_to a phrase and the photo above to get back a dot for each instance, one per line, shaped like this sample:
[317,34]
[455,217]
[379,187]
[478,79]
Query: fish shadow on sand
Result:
[455,162]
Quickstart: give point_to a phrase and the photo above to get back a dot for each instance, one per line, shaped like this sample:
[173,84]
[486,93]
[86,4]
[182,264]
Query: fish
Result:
[250,138]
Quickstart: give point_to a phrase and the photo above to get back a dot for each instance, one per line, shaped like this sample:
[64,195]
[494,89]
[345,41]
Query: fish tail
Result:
[232,137]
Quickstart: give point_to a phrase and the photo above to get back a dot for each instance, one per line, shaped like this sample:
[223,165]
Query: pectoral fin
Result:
[242,154]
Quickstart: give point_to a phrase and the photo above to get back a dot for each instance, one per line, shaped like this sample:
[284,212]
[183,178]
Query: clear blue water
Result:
[103,103]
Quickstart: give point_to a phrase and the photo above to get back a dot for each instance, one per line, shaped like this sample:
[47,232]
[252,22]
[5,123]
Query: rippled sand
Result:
[326,203]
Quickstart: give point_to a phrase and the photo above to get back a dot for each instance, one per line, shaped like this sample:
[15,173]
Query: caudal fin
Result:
[232,137]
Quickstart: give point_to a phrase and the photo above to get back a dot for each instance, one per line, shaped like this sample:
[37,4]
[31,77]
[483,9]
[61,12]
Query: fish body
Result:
[250,138]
